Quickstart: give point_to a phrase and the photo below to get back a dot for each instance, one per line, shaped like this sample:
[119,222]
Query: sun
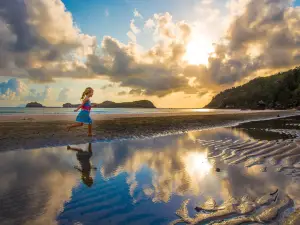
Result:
[198,50]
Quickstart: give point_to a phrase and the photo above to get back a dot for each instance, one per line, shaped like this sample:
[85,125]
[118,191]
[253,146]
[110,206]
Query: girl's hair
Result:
[86,91]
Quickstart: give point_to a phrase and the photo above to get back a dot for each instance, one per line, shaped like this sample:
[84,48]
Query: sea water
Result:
[70,111]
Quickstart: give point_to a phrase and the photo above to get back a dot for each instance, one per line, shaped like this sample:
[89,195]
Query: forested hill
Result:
[279,91]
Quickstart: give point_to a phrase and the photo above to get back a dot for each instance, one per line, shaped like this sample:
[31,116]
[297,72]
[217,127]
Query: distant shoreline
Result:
[16,117]
[226,109]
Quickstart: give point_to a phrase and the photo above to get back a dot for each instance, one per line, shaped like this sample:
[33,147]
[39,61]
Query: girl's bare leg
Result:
[90,130]
[74,125]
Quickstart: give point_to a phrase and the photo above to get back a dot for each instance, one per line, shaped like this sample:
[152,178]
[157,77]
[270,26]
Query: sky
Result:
[175,53]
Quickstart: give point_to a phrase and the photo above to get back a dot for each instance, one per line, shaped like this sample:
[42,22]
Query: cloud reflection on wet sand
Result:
[179,165]
[34,186]
[44,184]
[175,171]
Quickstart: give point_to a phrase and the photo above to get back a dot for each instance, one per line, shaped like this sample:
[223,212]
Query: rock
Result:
[69,105]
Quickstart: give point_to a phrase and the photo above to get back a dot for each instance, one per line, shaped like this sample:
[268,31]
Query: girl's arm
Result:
[79,107]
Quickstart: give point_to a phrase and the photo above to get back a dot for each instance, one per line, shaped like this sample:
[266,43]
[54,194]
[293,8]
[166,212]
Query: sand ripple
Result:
[262,210]
[283,155]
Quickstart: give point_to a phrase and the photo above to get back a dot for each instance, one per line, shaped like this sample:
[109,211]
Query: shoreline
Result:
[50,130]
[99,116]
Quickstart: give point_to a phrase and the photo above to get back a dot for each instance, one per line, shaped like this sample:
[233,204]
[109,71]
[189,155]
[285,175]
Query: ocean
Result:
[70,111]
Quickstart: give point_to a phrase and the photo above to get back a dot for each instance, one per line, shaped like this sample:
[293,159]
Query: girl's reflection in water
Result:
[84,160]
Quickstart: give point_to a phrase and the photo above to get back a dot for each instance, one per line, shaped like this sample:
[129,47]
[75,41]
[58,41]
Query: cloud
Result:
[154,72]
[155,78]
[121,93]
[106,12]
[134,28]
[107,86]
[14,85]
[137,14]
[149,24]
[63,95]
[8,95]
[40,41]
[45,44]
[16,89]
[12,89]
[206,2]
[273,32]
[131,36]
[136,92]
[34,95]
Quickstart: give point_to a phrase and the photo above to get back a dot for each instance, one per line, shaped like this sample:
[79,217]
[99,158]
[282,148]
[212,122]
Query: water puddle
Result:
[218,176]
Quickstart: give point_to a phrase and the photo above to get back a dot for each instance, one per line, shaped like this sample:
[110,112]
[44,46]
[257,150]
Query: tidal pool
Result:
[217,176]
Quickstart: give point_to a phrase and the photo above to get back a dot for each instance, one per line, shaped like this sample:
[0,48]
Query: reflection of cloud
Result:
[179,167]
[197,164]
[178,164]
[34,186]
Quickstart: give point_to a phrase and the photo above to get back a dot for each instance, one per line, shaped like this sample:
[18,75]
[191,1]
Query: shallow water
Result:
[70,111]
[4,111]
[155,181]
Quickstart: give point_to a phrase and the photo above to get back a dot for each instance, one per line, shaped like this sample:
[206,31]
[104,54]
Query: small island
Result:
[110,104]
[34,105]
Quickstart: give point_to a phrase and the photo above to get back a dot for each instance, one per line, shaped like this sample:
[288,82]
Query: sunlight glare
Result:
[198,50]
[197,164]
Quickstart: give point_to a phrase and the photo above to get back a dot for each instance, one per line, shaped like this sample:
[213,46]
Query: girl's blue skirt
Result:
[84,117]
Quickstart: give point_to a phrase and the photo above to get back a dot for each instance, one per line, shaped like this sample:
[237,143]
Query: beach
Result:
[36,131]
[240,174]
[179,168]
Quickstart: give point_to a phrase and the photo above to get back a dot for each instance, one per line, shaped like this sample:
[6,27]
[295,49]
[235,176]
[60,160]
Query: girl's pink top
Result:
[87,106]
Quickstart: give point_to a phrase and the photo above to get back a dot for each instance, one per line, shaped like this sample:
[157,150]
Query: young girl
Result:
[84,115]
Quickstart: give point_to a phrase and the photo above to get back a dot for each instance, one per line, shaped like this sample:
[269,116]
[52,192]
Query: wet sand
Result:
[281,156]
[36,131]
[216,176]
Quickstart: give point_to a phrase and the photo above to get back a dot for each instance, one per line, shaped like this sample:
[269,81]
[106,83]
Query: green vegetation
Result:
[280,91]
